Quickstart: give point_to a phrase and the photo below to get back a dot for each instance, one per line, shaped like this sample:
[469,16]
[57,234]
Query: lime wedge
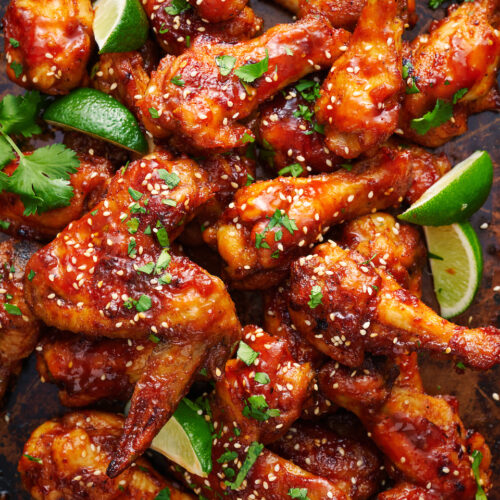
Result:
[97,114]
[457,266]
[119,25]
[456,196]
[186,439]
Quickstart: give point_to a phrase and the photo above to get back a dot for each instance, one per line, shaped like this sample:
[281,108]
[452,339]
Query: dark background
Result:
[31,402]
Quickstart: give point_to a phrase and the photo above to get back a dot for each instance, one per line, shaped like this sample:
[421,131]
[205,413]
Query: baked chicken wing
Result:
[67,458]
[360,98]
[48,44]
[202,94]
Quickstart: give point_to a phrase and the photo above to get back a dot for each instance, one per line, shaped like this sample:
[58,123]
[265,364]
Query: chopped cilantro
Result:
[163,261]
[131,251]
[31,275]
[477,456]
[177,80]
[229,472]
[153,338]
[288,51]
[4,224]
[304,112]
[267,152]
[13,309]
[295,169]
[162,29]
[262,378]
[147,230]
[32,459]
[17,68]
[282,219]
[154,113]
[225,64]
[14,42]
[441,113]
[434,4]
[250,72]
[177,7]
[164,494]
[143,304]
[94,212]
[309,89]
[299,493]
[250,180]
[460,365]
[228,456]
[246,354]
[171,178]
[247,138]
[169,202]
[254,450]
[135,208]
[136,195]
[133,225]
[166,279]
[146,268]
[315,299]
[258,409]
[458,95]
[162,236]
[260,241]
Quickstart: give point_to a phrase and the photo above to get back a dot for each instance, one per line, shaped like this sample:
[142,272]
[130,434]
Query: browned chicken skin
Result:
[462,51]
[67,458]
[18,327]
[361,307]
[177,30]
[89,184]
[359,103]
[195,101]
[258,258]
[54,42]
[422,436]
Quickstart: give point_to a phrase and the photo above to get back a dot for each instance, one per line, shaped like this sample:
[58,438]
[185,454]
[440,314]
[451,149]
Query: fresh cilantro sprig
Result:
[254,450]
[41,178]
[258,409]
[477,456]
[225,63]
[177,7]
[248,73]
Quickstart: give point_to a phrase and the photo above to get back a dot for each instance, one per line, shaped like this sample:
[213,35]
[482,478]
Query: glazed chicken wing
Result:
[48,44]
[176,27]
[359,103]
[202,94]
[89,184]
[272,222]
[343,306]
[422,436]
[18,327]
[67,458]
[453,68]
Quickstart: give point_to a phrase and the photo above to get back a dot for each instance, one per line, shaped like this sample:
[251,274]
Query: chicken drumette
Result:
[48,44]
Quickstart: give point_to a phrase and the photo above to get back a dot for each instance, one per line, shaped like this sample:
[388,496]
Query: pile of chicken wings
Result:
[118,304]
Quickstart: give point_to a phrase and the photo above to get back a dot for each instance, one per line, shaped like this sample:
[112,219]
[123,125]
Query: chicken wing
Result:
[67,458]
[89,184]
[264,397]
[344,306]
[360,99]
[18,327]
[200,98]
[289,134]
[48,44]
[451,73]
[354,465]
[421,435]
[272,222]
[176,26]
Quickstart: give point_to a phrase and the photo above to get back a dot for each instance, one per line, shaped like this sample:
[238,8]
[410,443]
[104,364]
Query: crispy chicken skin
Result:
[363,308]
[422,436]
[91,279]
[462,51]
[313,203]
[54,42]
[67,458]
[359,103]
[287,137]
[89,370]
[353,465]
[176,32]
[18,327]
[196,102]
[286,391]
[89,185]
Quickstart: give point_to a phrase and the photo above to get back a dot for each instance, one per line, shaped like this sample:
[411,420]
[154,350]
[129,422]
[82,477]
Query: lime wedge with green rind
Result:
[456,196]
[119,25]
[186,439]
[456,262]
[99,115]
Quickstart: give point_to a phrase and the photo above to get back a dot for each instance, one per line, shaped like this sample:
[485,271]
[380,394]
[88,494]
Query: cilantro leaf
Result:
[163,261]
[253,453]
[441,113]
[225,63]
[315,299]
[228,456]
[295,169]
[171,178]
[143,304]
[42,179]
[477,457]
[18,114]
[177,80]
[6,155]
[458,95]
[154,113]
[136,195]
[251,71]
[146,268]
[299,493]
[258,409]
[17,68]
[164,494]
[13,309]
[434,4]
[177,7]
[262,378]
[309,89]
[247,138]
[33,459]
[246,353]
[4,224]
[14,42]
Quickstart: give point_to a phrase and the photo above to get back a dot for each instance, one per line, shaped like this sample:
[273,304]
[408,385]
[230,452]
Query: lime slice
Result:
[457,266]
[119,25]
[186,439]
[456,196]
[97,114]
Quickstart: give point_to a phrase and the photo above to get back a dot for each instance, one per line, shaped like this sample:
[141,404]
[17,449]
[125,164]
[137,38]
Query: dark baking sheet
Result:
[31,402]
